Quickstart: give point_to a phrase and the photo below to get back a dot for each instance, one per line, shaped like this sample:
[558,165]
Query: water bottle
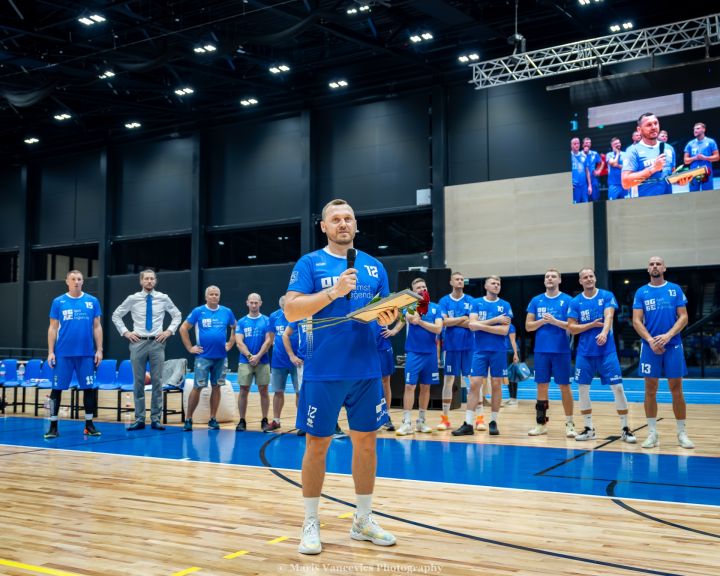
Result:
[48,406]
[21,373]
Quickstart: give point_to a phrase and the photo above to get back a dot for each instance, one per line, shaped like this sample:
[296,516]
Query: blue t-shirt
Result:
[211,330]
[76,317]
[254,330]
[418,339]
[456,337]
[299,329]
[586,310]
[640,156]
[706,147]
[347,350]
[614,174]
[550,338]
[593,161]
[659,305]
[508,343]
[382,342]
[485,310]
[579,164]
[278,324]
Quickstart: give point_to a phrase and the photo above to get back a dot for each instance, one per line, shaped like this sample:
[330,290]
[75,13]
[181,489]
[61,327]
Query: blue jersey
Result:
[586,310]
[593,161]
[549,338]
[659,305]
[579,164]
[614,174]
[278,324]
[299,329]
[456,337]
[347,350]
[485,310]
[76,317]
[508,342]
[253,330]
[706,147]
[211,330]
[420,340]
[640,156]
[382,342]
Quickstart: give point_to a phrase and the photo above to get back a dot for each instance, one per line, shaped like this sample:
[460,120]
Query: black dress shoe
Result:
[157,426]
[136,426]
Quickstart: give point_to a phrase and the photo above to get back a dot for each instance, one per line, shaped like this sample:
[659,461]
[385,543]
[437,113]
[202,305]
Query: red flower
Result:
[422,306]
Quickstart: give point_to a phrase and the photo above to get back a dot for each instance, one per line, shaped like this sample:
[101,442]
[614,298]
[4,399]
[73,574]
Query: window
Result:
[162,253]
[253,246]
[54,263]
[8,267]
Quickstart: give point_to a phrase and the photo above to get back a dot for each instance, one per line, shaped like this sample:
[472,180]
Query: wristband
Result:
[248,356]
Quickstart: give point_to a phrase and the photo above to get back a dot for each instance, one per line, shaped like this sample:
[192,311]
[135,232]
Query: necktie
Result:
[148,313]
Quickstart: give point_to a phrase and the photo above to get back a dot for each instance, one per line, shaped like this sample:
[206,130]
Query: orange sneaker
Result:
[480,423]
[444,423]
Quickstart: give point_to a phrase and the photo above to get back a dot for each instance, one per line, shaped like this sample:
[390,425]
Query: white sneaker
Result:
[684,441]
[537,430]
[404,429]
[652,440]
[421,426]
[627,436]
[587,434]
[511,402]
[444,423]
[480,423]
[310,539]
[366,528]
[570,430]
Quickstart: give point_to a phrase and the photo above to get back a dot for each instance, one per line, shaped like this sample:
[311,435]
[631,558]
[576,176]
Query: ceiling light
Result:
[62,116]
[352,11]
[335,84]
[31,140]
[205,48]
[627,25]
[248,102]
[472,57]
[252,257]
[184,91]
[422,37]
[97,18]
[279,68]
[91,20]
[86,21]
[426,36]
[132,125]
[106,74]
[415,38]
[615,28]
[584,2]
[365,8]
[383,247]
[221,243]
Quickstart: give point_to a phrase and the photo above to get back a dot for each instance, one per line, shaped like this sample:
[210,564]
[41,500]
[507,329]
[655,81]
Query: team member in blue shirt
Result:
[702,151]
[421,363]
[490,319]
[253,337]
[581,183]
[342,367]
[659,315]
[212,343]
[75,344]
[281,365]
[457,343]
[547,316]
[294,338]
[591,317]
[387,363]
[615,162]
[595,165]
[645,168]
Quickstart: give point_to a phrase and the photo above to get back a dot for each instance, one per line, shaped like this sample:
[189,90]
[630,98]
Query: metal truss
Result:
[597,52]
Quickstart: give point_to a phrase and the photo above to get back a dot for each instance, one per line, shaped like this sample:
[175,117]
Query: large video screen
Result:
[646,134]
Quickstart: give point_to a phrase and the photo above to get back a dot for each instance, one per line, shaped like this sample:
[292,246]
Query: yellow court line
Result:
[346,515]
[235,554]
[39,569]
[187,571]
[276,540]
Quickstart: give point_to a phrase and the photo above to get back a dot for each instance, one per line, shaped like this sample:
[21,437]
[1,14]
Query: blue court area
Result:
[638,475]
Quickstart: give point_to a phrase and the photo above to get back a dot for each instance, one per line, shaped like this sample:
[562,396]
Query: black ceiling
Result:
[50,62]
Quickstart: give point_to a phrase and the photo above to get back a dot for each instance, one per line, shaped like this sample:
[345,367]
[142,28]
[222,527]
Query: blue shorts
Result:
[213,369]
[387,362]
[494,361]
[696,185]
[668,365]
[608,367]
[580,193]
[320,402]
[554,365]
[84,368]
[616,192]
[279,376]
[421,368]
[458,362]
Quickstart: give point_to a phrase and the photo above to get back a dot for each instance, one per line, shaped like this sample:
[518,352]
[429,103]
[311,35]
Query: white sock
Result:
[494,416]
[407,417]
[479,411]
[587,418]
[470,417]
[446,409]
[623,420]
[311,507]
[364,504]
[276,420]
[421,415]
[680,426]
[88,416]
[568,419]
[652,424]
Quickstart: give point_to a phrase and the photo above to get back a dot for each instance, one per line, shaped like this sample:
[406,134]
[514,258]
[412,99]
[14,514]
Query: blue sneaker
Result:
[187,427]
[213,424]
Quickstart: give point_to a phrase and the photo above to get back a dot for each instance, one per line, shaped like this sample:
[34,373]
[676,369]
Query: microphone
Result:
[662,147]
[351,255]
